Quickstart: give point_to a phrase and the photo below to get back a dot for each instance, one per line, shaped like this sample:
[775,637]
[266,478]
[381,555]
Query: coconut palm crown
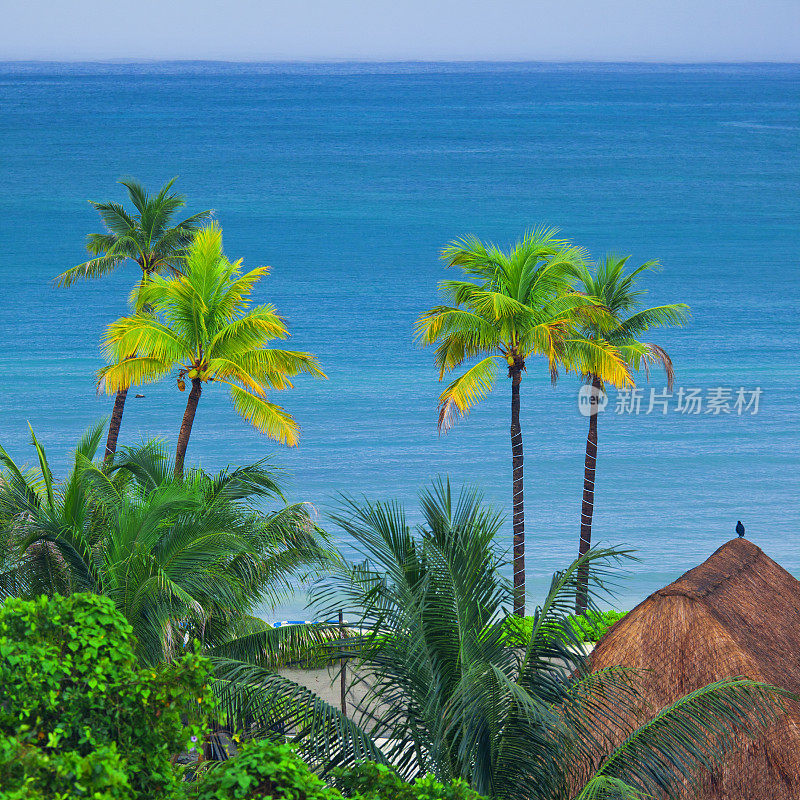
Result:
[202,323]
[147,236]
[512,305]
[617,290]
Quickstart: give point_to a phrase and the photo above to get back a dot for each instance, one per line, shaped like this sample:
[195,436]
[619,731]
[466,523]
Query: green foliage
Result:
[509,306]
[270,769]
[186,561]
[203,325]
[586,628]
[448,696]
[372,781]
[146,235]
[592,626]
[198,555]
[264,769]
[627,319]
[79,719]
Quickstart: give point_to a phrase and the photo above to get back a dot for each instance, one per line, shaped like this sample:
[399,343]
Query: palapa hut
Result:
[738,613]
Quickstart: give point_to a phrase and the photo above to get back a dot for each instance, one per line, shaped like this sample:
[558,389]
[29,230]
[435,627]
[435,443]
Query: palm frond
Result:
[267,417]
[466,391]
[699,730]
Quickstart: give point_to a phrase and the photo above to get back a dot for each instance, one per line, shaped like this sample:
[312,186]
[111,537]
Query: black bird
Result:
[740,528]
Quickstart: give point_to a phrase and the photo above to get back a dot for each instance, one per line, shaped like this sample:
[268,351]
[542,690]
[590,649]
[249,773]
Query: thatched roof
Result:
[738,613]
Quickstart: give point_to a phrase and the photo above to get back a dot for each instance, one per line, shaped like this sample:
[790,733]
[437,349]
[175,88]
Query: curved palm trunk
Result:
[515,373]
[186,425]
[115,425]
[587,506]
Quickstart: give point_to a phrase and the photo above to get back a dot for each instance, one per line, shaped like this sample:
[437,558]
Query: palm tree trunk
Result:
[518,507]
[186,425]
[587,506]
[115,425]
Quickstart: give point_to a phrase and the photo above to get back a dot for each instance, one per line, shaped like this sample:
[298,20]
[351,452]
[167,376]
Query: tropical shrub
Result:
[188,562]
[269,769]
[79,718]
[372,781]
[589,627]
[185,561]
[266,769]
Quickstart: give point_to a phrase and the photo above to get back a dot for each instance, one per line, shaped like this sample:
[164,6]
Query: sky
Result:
[380,30]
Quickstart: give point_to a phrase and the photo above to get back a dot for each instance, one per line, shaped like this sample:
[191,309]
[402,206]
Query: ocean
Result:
[347,179]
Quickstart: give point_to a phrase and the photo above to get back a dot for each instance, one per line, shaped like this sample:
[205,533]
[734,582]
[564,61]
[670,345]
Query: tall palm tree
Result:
[511,306]
[455,689]
[202,323]
[150,238]
[617,290]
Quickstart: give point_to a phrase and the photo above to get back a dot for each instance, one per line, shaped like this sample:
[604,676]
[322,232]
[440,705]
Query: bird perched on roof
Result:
[740,529]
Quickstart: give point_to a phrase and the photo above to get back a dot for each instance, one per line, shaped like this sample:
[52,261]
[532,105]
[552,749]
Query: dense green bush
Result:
[264,769]
[593,626]
[78,718]
[372,781]
[589,628]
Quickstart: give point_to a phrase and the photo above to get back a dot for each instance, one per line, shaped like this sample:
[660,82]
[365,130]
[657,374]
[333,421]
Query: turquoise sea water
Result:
[347,179]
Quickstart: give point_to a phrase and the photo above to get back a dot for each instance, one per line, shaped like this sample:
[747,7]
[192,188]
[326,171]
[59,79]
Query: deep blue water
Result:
[347,180]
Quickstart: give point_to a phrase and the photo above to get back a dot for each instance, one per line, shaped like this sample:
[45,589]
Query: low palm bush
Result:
[184,560]
[188,562]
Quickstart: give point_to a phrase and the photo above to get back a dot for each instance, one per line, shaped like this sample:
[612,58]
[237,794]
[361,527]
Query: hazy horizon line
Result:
[356,60]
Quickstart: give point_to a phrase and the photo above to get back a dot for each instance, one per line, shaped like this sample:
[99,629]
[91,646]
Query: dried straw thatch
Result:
[738,613]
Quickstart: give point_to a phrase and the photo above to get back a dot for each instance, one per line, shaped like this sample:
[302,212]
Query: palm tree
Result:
[147,237]
[511,306]
[193,556]
[202,323]
[617,291]
[458,690]
[188,562]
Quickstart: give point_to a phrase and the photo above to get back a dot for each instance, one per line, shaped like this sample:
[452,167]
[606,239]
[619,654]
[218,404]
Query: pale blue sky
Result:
[245,30]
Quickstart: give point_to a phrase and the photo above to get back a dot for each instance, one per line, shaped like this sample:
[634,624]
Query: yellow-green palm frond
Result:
[566,259]
[257,327]
[223,369]
[598,357]
[466,391]
[256,368]
[640,355]
[144,335]
[454,350]
[443,321]
[235,292]
[496,306]
[265,363]
[474,257]
[458,293]
[268,418]
[132,371]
